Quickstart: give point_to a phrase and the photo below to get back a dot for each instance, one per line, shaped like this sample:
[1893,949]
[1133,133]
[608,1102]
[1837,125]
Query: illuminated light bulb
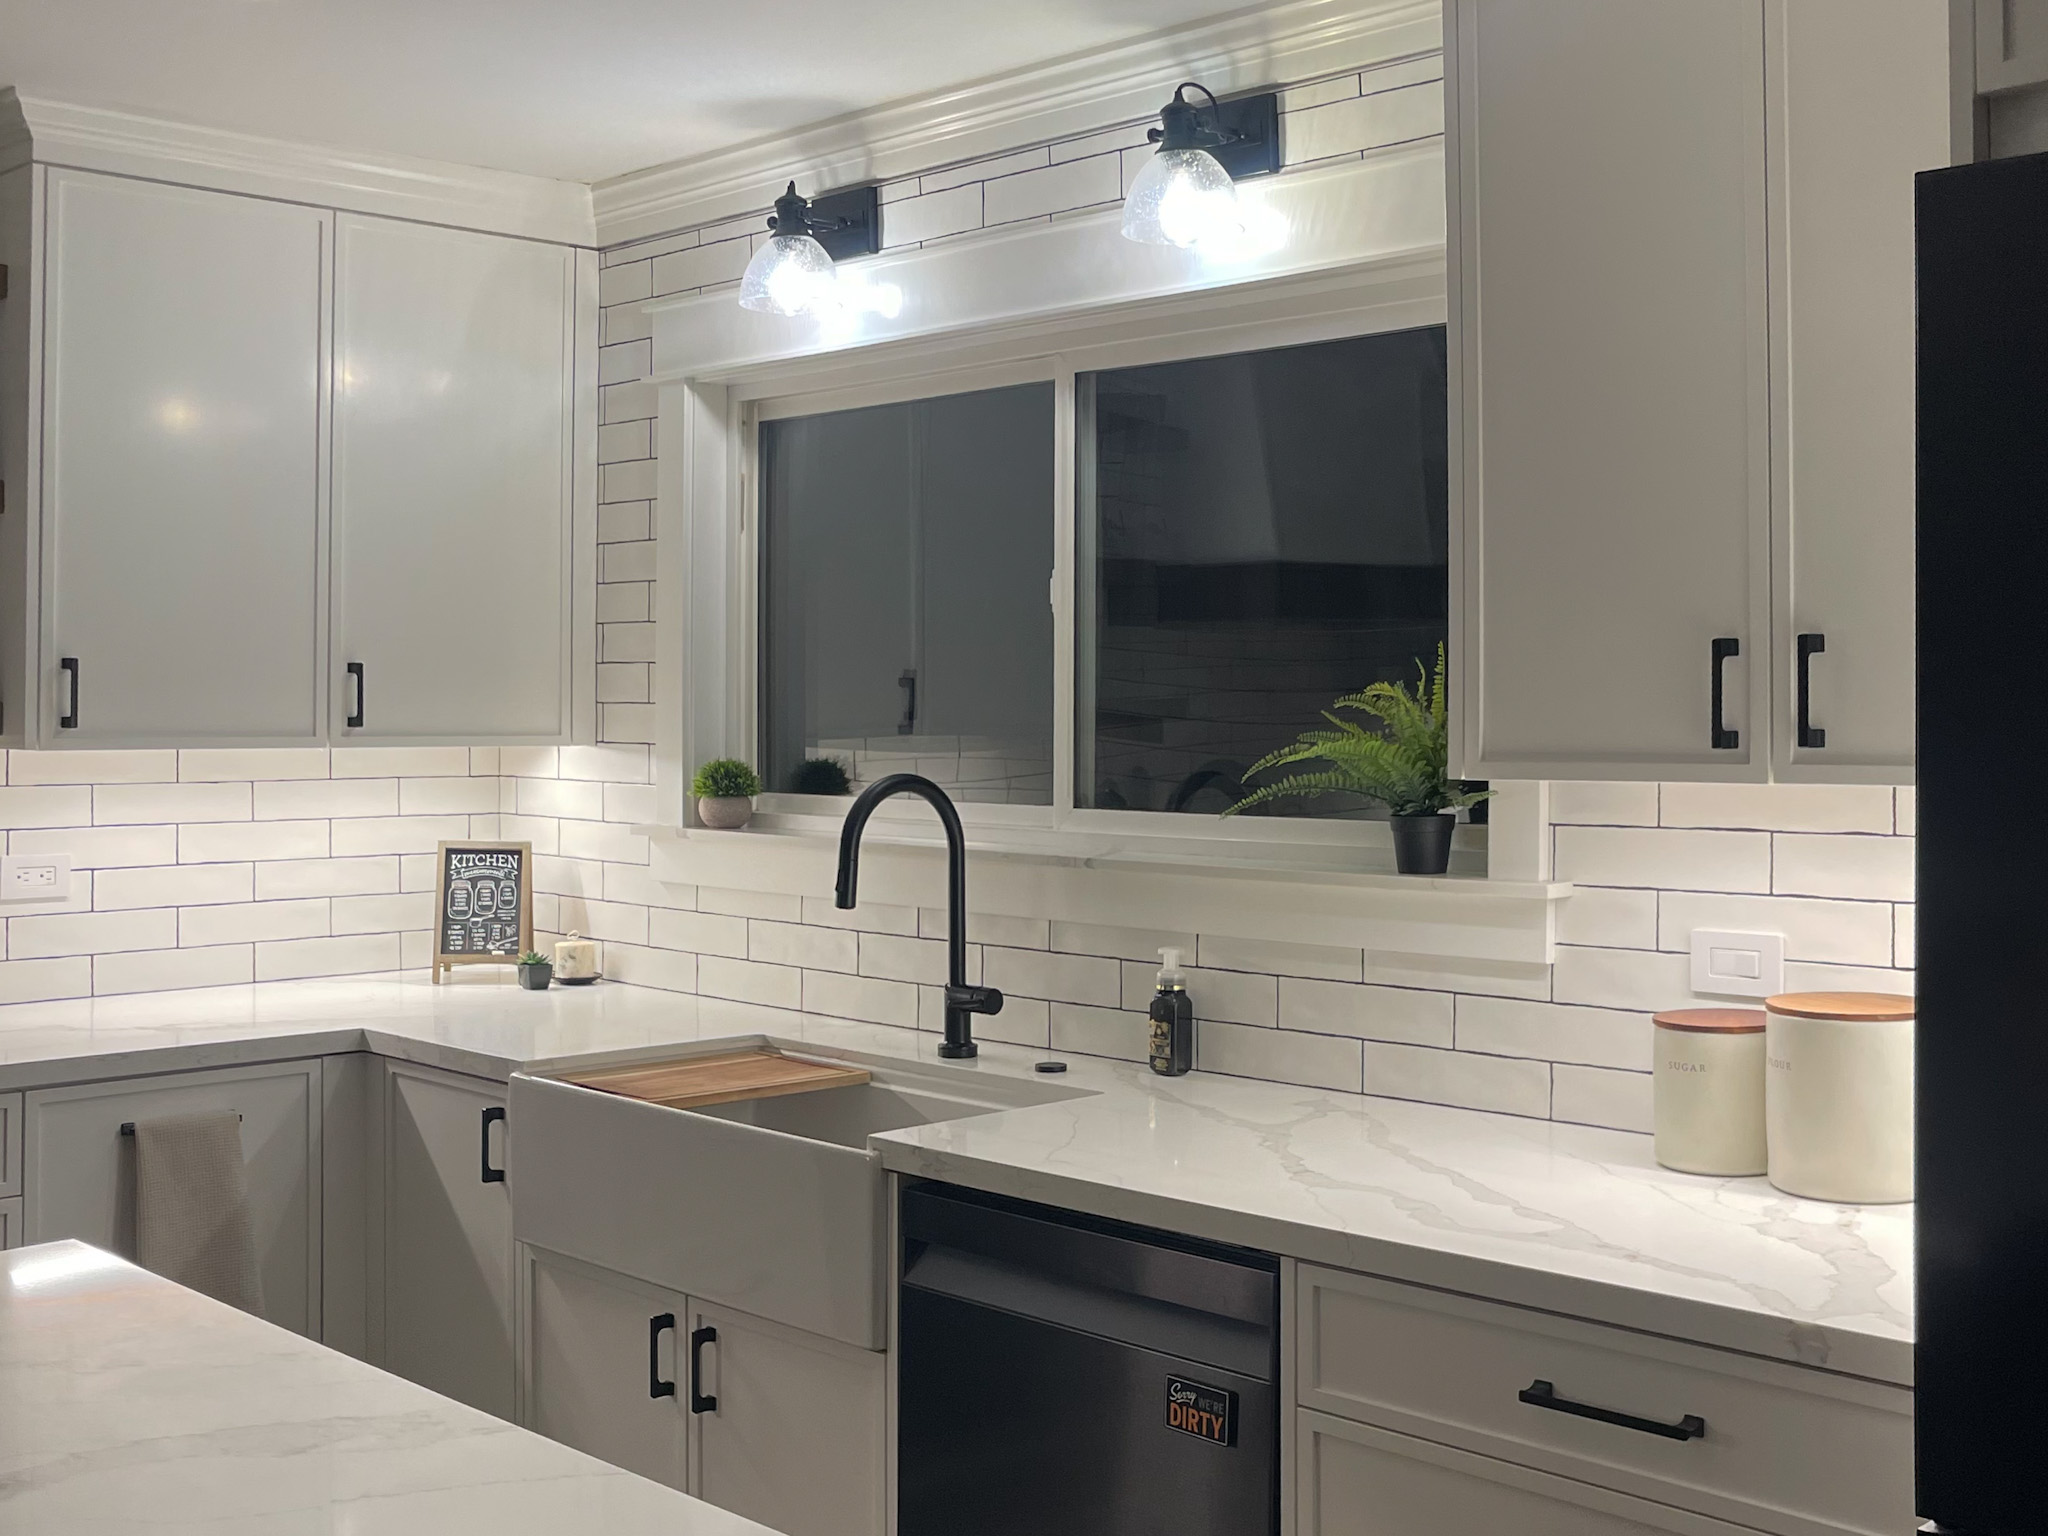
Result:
[790,275]
[1182,197]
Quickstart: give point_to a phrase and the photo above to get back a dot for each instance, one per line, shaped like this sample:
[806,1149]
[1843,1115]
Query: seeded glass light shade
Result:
[1182,197]
[790,275]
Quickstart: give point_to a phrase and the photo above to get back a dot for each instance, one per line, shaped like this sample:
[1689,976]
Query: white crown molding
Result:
[125,143]
[1292,41]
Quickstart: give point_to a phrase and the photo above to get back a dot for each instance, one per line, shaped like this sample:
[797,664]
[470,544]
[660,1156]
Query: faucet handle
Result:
[974,999]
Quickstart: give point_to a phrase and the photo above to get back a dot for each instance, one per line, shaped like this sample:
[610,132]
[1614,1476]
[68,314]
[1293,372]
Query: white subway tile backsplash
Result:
[952,211]
[1488,978]
[303,799]
[1056,978]
[1623,978]
[1374,1013]
[701,933]
[400,762]
[775,906]
[611,921]
[611,764]
[1318,93]
[1613,918]
[1905,811]
[561,797]
[1667,859]
[700,267]
[1804,976]
[1100,1032]
[976,171]
[172,885]
[396,834]
[354,955]
[989,928]
[1597,1096]
[893,957]
[245,923]
[794,944]
[1872,868]
[1504,1084]
[750,981]
[1231,997]
[1071,184]
[622,882]
[620,602]
[860,997]
[130,804]
[103,847]
[148,766]
[46,806]
[1279,959]
[41,981]
[1840,932]
[382,914]
[663,968]
[199,764]
[868,917]
[1602,804]
[1902,936]
[91,933]
[1601,1037]
[438,797]
[1243,1050]
[1363,123]
[163,970]
[1141,944]
[603,840]
[544,833]
[1780,807]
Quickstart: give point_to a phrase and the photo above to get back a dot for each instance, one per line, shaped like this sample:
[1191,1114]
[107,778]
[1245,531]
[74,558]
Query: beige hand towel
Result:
[192,1206]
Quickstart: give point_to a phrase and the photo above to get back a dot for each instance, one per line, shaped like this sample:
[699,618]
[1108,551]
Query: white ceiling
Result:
[577,89]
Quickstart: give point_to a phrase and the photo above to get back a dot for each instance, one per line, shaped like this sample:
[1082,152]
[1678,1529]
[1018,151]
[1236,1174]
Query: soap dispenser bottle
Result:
[1173,1019]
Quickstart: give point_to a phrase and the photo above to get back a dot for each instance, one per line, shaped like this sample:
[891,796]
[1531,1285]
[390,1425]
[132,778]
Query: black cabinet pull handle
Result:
[68,721]
[657,1325]
[1810,646]
[494,1114]
[699,1337]
[354,721]
[1541,1394]
[1723,739]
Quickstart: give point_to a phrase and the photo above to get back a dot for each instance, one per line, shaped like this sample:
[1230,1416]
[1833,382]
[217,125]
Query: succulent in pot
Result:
[725,788]
[535,971]
[1402,765]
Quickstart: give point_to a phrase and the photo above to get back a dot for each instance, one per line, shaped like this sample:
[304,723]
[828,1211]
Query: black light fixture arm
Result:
[793,216]
[1184,125]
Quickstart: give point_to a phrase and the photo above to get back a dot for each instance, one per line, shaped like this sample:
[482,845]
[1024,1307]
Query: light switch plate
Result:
[1737,964]
[35,877]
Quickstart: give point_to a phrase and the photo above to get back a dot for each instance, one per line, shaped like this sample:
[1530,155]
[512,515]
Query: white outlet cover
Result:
[1737,964]
[35,877]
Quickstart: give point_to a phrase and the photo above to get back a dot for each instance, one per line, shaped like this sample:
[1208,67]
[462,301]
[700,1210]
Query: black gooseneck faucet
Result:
[962,1001]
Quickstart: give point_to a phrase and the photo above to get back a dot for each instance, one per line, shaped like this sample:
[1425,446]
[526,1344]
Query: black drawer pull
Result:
[68,721]
[1541,1394]
[1720,737]
[699,1403]
[355,720]
[494,1114]
[1810,646]
[664,1322]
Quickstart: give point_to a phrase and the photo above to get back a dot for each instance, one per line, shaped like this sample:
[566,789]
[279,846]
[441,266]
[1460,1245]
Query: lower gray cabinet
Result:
[10,1224]
[79,1170]
[440,1241]
[782,1426]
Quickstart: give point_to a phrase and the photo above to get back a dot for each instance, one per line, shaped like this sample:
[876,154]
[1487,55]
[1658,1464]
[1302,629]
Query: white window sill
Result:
[1231,892]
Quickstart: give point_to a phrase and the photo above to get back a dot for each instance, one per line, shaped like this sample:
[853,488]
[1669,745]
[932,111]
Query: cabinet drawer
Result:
[1783,1448]
[10,1144]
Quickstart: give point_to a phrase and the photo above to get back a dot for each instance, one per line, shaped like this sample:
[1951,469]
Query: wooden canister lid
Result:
[1712,1021]
[1852,1007]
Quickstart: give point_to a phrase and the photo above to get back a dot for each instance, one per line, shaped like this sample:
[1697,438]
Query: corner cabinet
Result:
[1681,319]
[273,475]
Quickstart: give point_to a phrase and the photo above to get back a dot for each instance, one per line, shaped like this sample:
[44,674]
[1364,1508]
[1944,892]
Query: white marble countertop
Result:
[1566,1218]
[128,1404]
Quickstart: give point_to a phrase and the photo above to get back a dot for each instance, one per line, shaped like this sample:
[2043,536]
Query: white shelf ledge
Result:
[1452,916]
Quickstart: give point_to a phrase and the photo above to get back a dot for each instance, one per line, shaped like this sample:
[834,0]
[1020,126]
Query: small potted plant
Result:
[821,776]
[725,788]
[1401,766]
[535,971]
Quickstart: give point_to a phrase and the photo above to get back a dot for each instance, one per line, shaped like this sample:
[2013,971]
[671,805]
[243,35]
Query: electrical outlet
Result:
[1737,964]
[35,877]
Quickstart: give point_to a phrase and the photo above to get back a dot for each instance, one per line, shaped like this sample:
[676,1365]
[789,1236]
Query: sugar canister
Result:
[1709,1090]
[1838,1096]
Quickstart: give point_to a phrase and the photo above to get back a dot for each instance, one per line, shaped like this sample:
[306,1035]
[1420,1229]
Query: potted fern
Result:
[725,788]
[1402,765]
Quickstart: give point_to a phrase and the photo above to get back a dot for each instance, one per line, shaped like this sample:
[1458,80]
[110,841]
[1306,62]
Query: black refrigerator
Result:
[1981,1366]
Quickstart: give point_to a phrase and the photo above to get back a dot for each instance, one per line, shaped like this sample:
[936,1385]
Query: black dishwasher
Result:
[1064,1374]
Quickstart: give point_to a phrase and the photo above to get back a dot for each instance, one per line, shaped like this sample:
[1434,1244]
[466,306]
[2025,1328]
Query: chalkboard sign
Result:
[484,911]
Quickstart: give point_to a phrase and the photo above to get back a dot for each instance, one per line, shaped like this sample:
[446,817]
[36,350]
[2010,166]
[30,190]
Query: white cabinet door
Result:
[795,1440]
[1610,355]
[603,1360]
[1860,102]
[442,1296]
[79,1170]
[453,455]
[1354,1480]
[183,465]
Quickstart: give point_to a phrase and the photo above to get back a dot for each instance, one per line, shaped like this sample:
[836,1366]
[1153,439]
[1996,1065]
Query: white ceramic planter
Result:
[1709,1091]
[1838,1095]
[725,813]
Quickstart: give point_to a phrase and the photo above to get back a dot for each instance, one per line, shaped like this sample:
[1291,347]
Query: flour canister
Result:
[1709,1090]
[1838,1095]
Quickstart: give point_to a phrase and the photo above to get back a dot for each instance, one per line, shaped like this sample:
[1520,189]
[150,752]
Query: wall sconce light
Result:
[1187,192]
[793,274]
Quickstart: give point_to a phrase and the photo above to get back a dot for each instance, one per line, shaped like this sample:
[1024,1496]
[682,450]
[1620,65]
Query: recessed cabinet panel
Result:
[1860,100]
[183,465]
[1610,351]
[452,485]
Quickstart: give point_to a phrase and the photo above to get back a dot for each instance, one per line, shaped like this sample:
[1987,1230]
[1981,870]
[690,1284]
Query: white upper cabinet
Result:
[454,448]
[1681,246]
[1859,95]
[183,465]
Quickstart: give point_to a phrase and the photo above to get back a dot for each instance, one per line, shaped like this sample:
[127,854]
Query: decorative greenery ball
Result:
[725,778]
[821,776]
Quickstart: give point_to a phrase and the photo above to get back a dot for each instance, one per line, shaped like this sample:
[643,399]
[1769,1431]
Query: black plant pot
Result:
[535,978]
[1422,844]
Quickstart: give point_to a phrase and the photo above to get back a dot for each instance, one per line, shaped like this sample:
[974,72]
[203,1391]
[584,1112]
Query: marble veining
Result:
[130,1404]
[1567,1218]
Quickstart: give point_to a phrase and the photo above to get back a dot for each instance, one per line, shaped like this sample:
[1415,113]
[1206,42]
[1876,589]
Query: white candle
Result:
[575,957]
